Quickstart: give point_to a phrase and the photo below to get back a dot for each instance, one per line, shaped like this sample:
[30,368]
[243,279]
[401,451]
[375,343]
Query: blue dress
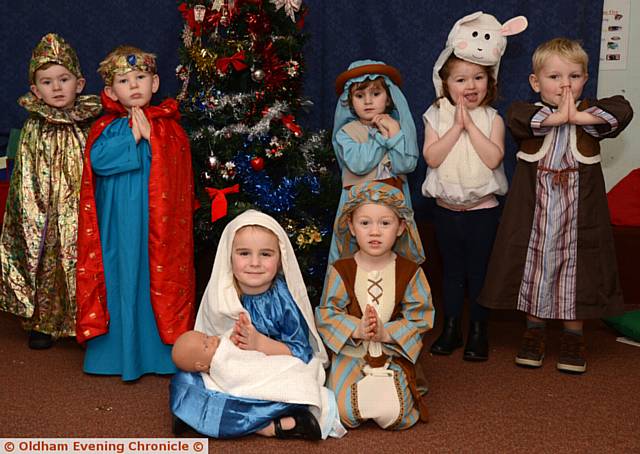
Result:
[132,347]
[274,313]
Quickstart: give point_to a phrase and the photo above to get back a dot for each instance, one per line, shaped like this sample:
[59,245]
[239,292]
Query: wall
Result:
[622,154]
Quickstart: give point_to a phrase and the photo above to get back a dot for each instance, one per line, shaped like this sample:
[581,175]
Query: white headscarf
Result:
[220,305]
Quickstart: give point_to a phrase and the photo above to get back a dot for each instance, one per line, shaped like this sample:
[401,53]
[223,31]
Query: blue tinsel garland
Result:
[260,186]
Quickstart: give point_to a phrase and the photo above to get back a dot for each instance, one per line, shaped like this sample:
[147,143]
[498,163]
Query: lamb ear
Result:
[453,33]
[514,26]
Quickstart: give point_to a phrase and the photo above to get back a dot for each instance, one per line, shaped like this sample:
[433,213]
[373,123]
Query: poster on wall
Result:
[615,34]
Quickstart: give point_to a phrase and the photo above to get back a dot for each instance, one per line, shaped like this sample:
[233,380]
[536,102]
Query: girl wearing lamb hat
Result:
[464,148]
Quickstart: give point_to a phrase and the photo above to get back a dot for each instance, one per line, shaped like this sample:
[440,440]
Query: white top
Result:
[462,179]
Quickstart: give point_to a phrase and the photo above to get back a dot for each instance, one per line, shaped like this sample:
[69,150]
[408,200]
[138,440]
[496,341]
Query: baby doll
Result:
[193,351]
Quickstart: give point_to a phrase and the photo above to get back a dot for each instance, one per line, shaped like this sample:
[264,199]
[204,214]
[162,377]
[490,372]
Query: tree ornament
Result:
[187,36]
[228,171]
[219,200]
[257,75]
[236,61]
[290,7]
[213,162]
[257,164]
[199,12]
[290,122]
[292,68]
[224,15]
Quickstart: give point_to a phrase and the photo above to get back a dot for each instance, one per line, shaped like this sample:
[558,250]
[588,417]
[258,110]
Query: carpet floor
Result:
[474,407]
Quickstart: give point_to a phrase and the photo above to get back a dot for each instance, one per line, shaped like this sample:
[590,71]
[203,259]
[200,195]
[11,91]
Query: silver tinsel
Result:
[313,142]
[259,129]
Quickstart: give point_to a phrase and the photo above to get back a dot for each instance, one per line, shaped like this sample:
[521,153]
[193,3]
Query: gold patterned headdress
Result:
[124,59]
[53,49]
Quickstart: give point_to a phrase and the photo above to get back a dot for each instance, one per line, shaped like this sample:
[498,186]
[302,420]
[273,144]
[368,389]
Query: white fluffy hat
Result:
[478,38]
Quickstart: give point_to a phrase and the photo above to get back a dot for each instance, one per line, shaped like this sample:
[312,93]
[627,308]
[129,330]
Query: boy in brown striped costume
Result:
[554,255]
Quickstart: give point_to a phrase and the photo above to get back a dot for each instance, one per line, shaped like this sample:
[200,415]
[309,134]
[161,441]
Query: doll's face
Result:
[369,101]
[255,259]
[57,86]
[554,75]
[375,227]
[467,82]
[134,88]
[193,351]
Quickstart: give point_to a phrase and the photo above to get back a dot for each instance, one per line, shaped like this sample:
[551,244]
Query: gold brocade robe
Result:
[38,241]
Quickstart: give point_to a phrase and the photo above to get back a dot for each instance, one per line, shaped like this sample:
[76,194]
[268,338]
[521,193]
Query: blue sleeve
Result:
[294,332]
[403,160]
[362,158]
[359,158]
[115,151]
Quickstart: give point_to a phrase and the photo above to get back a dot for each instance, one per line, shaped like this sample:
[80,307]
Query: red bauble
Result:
[257,164]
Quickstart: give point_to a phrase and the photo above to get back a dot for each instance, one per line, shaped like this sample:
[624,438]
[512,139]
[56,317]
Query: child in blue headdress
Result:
[374,136]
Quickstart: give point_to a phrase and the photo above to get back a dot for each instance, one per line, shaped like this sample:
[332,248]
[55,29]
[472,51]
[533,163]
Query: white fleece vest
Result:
[462,178]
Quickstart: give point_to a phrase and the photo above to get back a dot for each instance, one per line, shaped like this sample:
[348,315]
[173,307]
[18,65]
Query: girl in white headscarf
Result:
[256,297]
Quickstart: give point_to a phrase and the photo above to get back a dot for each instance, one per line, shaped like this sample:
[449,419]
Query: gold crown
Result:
[118,62]
[53,49]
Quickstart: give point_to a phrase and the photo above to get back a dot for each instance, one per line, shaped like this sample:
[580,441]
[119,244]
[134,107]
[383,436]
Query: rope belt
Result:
[560,177]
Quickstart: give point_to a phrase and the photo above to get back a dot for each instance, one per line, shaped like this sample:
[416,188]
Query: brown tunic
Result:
[598,291]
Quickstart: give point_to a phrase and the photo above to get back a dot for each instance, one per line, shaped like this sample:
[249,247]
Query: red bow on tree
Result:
[236,60]
[189,16]
[213,19]
[290,122]
[219,200]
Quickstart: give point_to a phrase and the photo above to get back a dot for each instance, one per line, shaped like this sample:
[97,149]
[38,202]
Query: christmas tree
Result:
[241,71]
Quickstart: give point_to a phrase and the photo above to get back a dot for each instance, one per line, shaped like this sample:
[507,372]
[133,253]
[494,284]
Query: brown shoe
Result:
[531,351]
[572,353]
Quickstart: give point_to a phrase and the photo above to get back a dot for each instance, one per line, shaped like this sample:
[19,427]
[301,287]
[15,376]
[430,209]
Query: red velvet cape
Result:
[171,206]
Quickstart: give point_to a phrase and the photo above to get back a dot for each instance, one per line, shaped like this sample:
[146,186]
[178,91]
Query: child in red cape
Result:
[135,271]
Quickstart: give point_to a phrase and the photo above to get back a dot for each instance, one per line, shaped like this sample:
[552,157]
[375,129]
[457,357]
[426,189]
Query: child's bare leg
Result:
[573,325]
[534,319]
[270,431]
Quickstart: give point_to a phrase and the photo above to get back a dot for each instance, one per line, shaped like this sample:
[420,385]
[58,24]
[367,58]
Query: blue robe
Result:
[362,158]
[132,346]
[273,313]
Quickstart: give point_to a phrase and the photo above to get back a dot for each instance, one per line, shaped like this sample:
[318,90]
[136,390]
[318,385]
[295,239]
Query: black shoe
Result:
[306,428]
[477,348]
[179,427]
[450,339]
[39,341]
